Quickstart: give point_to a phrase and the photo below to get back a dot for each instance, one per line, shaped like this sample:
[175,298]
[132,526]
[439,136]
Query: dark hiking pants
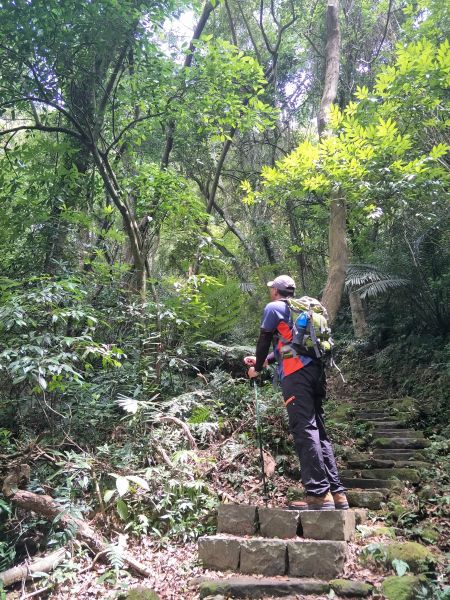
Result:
[304,392]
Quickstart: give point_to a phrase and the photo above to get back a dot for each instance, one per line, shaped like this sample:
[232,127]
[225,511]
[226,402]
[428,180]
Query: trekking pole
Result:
[259,436]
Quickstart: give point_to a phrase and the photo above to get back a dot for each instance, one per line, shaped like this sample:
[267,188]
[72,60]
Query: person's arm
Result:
[262,349]
[269,324]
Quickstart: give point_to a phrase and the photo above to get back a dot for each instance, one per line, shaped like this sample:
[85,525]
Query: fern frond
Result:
[360,274]
[376,288]
[129,405]
[115,556]
[370,281]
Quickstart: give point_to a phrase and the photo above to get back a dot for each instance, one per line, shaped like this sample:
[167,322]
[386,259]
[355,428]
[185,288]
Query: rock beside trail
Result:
[418,558]
[401,588]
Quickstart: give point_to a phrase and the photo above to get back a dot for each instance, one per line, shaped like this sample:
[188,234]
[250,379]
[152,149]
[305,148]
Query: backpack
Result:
[311,334]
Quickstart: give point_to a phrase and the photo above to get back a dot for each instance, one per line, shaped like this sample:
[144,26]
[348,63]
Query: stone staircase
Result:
[286,552]
[303,552]
[394,457]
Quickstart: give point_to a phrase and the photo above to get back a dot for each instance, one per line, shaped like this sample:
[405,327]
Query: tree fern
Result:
[369,280]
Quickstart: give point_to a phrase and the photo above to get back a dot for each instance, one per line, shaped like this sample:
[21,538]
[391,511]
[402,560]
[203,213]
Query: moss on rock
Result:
[395,508]
[401,588]
[365,498]
[139,592]
[400,443]
[385,531]
[411,475]
[212,588]
[418,558]
[340,413]
[352,589]
[430,535]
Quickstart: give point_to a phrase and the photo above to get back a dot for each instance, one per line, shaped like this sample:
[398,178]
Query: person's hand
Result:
[252,373]
[250,361]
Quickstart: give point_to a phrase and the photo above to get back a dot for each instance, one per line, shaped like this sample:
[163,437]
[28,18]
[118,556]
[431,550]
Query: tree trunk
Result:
[337,244]
[338,255]
[332,58]
[358,315]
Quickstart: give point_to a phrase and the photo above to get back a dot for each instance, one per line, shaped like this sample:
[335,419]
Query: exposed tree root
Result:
[44,564]
[49,508]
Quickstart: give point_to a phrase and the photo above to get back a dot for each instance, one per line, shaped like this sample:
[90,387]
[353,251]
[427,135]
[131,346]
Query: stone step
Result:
[398,454]
[371,499]
[368,462]
[369,484]
[402,474]
[388,424]
[280,523]
[400,443]
[398,433]
[277,587]
[370,415]
[378,463]
[412,464]
[271,557]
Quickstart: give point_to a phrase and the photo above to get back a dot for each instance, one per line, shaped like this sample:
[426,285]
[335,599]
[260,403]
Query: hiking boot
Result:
[340,501]
[313,503]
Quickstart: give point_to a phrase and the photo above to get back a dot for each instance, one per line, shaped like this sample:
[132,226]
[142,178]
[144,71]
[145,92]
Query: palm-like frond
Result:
[376,288]
[369,280]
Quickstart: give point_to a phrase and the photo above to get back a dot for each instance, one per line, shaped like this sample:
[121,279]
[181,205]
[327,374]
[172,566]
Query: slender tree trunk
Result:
[338,254]
[358,315]
[332,58]
[295,237]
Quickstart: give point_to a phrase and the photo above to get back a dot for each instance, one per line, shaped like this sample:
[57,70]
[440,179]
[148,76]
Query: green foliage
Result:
[203,307]
[47,335]
[227,84]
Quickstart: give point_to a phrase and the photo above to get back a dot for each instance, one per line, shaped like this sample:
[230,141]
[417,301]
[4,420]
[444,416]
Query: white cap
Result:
[283,282]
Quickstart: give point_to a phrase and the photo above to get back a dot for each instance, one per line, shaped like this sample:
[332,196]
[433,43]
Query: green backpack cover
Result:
[311,334]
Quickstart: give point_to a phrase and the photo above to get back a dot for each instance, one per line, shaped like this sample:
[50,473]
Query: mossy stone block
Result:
[401,588]
[139,592]
[403,474]
[414,554]
[213,588]
[352,589]
[400,443]
[365,499]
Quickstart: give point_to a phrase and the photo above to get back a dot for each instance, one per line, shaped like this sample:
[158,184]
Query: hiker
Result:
[303,384]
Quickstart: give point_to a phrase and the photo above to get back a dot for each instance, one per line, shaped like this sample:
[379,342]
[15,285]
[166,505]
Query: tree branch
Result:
[370,62]
[47,129]
[230,20]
